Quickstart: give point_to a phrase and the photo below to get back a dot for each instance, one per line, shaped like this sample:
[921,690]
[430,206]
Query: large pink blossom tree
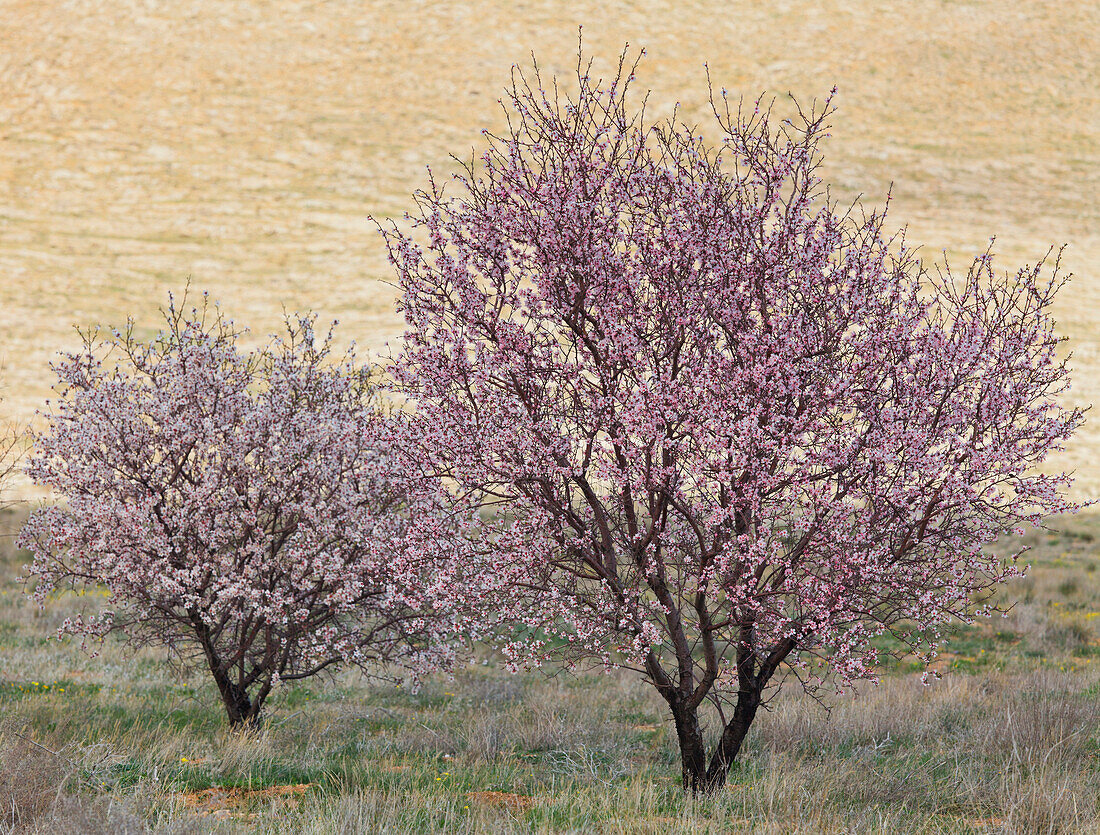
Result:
[246,508]
[732,432]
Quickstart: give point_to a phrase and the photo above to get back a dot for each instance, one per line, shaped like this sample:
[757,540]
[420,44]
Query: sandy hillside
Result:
[244,143]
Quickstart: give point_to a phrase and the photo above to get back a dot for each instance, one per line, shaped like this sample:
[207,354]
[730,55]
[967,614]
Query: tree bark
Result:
[698,776]
[693,755]
[733,736]
[752,680]
[243,713]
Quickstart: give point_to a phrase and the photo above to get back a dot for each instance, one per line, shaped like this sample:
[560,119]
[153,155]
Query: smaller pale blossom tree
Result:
[247,509]
[733,432]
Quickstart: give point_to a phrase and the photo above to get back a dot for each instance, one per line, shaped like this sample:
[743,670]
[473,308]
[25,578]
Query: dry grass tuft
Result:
[39,793]
[31,781]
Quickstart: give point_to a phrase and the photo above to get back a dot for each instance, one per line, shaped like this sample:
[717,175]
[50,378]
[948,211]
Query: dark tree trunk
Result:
[699,777]
[753,677]
[243,713]
[693,755]
[733,735]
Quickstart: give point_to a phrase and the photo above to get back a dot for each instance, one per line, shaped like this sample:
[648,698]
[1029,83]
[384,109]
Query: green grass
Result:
[1007,740]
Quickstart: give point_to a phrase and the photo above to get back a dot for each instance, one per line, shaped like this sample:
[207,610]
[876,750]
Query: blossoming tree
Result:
[245,508]
[734,432]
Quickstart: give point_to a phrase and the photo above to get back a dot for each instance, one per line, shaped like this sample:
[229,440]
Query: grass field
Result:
[1008,740]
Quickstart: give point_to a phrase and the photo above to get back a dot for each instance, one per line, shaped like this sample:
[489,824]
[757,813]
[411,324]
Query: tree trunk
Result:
[753,674]
[698,776]
[693,756]
[243,712]
[733,735]
[752,680]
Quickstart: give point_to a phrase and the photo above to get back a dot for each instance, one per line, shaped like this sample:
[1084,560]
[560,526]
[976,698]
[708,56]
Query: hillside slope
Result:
[244,143]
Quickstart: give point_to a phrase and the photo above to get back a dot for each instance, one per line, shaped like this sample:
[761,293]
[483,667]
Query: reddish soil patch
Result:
[236,800]
[507,799]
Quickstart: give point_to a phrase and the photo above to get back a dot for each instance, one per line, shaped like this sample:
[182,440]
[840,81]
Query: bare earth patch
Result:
[501,799]
[238,801]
